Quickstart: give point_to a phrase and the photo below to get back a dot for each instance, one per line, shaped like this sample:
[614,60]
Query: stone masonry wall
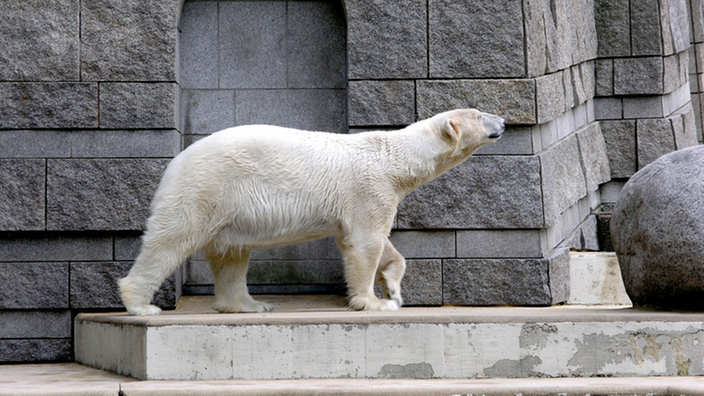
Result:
[97,95]
[696,62]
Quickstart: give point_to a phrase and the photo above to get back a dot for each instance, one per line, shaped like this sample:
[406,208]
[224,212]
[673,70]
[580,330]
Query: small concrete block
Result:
[514,100]
[382,102]
[496,282]
[33,285]
[605,286]
[612,27]
[550,97]
[207,111]
[22,194]
[127,247]
[608,108]
[620,138]
[94,285]
[128,40]
[499,244]
[101,194]
[33,351]
[285,272]
[316,45]
[422,283]
[35,144]
[646,38]
[318,110]
[516,140]
[604,77]
[643,107]
[52,247]
[638,76]
[562,177]
[484,181]
[594,158]
[35,324]
[252,44]
[424,244]
[139,105]
[654,139]
[199,45]
[456,27]
[40,41]
[125,144]
[48,105]
[387,39]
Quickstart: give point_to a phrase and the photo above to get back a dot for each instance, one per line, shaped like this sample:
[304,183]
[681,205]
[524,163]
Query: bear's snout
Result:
[494,125]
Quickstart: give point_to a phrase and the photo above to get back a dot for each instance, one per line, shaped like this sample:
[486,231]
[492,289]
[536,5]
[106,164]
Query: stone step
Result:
[316,337]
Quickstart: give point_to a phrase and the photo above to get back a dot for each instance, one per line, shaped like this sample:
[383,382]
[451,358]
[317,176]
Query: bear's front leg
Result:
[361,254]
[392,266]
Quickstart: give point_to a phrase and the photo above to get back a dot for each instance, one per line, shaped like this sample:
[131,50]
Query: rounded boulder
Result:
[657,230]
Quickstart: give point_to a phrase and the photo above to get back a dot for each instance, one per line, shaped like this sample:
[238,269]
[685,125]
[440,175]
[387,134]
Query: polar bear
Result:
[258,186]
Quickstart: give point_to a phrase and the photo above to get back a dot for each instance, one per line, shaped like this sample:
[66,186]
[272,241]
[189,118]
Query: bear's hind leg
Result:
[230,274]
[392,266]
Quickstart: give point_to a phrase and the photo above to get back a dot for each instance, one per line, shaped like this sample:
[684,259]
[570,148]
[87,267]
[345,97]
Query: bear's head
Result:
[466,130]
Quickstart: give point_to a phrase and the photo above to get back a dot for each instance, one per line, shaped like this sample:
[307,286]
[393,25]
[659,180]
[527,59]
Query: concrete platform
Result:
[76,380]
[316,337]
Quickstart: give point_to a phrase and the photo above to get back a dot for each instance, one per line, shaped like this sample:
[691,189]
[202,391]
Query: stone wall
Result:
[97,95]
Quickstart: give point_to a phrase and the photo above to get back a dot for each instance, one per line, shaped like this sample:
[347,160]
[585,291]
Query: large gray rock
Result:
[40,40]
[48,105]
[22,194]
[658,228]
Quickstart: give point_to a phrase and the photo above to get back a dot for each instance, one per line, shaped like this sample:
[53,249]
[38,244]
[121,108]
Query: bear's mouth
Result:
[495,135]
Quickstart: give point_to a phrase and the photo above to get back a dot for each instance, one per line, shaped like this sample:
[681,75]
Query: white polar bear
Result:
[258,186]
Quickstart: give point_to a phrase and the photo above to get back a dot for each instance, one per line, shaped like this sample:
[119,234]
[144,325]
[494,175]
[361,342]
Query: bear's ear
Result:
[451,132]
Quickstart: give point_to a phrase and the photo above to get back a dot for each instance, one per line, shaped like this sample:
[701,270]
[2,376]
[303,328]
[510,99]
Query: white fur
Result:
[262,186]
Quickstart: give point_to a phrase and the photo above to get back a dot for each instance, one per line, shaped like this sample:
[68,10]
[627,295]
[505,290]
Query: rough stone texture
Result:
[35,144]
[422,283]
[620,138]
[23,351]
[101,194]
[199,45]
[33,285]
[127,247]
[604,77]
[684,128]
[22,194]
[657,228]
[643,107]
[40,40]
[424,244]
[53,247]
[139,105]
[35,324]
[457,29]
[207,111]
[296,272]
[504,192]
[562,177]
[612,27]
[638,76]
[381,102]
[608,108]
[125,144]
[594,158]
[128,40]
[48,105]
[499,244]
[550,97]
[94,285]
[671,73]
[654,138]
[514,100]
[387,39]
[675,24]
[646,37]
[516,140]
[317,110]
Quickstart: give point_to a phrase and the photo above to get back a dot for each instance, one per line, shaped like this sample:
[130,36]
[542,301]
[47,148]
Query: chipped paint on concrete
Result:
[412,370]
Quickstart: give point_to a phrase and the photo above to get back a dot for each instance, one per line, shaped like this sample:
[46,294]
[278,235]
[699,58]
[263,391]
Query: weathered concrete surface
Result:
[449,342]
[595,279]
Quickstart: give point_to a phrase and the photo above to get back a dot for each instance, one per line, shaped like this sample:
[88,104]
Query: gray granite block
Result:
[563,180]
[310,109]
[620,138]
[654,138]
[295,272]
[125,144]
[22,194]
[48,105]
[321,249]
[32,351]
[550,97]
[127,247]
[382,102]
[35,144]
[139,105]
[671,73]
[516,140]
[207,111]
[128,40]
[594,158]
[514,100]
[643,107]
[387,39]
[52,247]
[33,285]
[697,12]
[475,39]
[35,324]
[484,192]
[40,40]
[499,244]
[559,267]
[604,77]
[541,34]
[609,108]
[584,79]
[252,44]
[422,283]
[94,285]
[101,194]
[646,37]
[199,45]
[675,12]
[613,27]
[691,131]
[638,76]
[424,244]
[317,53]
